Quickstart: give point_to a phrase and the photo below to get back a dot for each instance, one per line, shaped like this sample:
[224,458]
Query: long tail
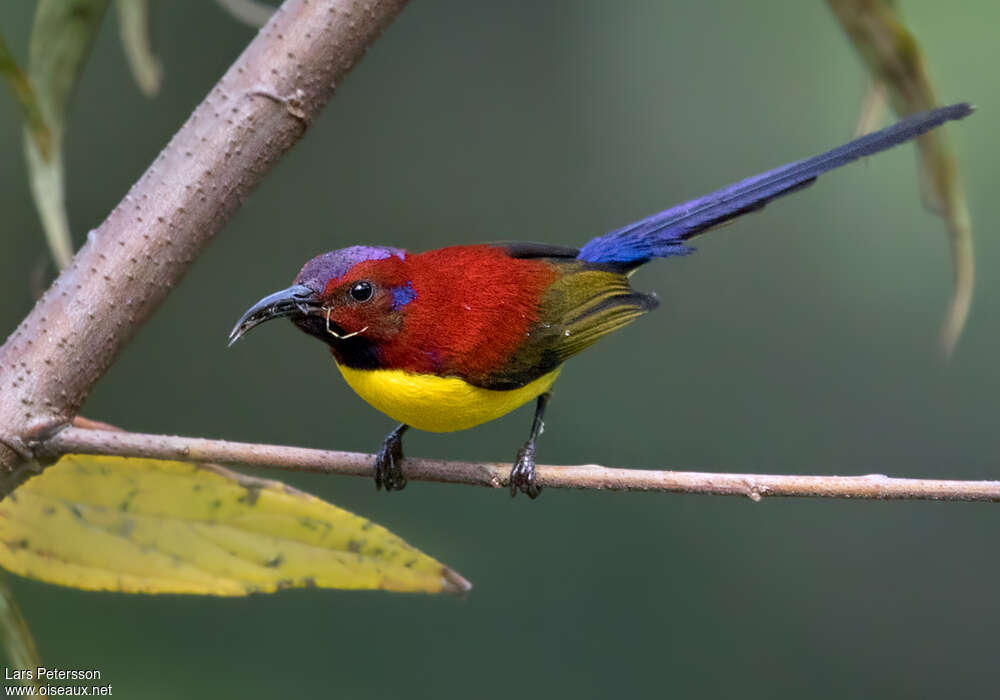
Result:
[662,235]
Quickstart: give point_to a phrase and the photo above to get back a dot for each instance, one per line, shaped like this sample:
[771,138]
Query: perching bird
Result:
[452,338]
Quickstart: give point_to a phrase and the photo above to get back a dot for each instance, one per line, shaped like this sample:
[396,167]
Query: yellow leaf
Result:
[152,526]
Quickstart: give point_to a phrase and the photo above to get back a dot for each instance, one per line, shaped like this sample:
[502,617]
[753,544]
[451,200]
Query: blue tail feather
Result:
[663,234]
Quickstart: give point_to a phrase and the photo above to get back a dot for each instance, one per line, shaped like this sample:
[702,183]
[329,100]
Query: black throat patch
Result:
[357,352]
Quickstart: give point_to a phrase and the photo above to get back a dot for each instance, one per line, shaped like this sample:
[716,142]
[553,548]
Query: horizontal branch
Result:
[493,474]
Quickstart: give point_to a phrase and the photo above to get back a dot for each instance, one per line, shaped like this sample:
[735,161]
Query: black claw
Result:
[388,463]
[522,476]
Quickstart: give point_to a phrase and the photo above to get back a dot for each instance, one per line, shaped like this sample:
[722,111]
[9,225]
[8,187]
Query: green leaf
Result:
[63,33]
[873,108]
[155,526]
[133,24]
[24,95]
[16,635]
[898,69]
[249,12]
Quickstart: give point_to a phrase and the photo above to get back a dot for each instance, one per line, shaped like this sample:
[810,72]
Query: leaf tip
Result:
[955,319]
[453,582]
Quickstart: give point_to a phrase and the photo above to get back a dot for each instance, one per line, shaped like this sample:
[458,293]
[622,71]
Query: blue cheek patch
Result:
[401,296]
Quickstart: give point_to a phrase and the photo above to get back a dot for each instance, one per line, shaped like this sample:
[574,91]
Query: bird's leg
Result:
[522,476]
[388,471]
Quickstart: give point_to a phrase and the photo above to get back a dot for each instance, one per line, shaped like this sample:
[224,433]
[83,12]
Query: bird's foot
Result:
[522,476]
[388,469]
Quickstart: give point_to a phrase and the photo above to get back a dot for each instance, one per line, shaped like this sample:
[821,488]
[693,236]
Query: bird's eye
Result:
[362,291]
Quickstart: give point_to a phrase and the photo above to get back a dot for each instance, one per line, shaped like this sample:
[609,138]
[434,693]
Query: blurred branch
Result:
[254,115]
[74,440]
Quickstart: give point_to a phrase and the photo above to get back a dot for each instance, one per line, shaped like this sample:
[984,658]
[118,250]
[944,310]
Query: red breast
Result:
[472,307]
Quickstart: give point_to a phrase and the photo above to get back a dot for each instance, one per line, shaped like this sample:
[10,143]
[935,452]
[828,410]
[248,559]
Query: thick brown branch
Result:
[256,112]
[492,474]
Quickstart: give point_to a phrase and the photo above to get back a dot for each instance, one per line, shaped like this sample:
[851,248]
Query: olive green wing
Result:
[585,303]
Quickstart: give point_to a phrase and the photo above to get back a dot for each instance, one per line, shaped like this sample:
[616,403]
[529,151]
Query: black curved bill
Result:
[294,301]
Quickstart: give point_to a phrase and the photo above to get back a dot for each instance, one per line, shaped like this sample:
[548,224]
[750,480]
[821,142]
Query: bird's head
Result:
[352,299]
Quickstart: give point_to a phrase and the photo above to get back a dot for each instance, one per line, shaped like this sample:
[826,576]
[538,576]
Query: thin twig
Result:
[494,475]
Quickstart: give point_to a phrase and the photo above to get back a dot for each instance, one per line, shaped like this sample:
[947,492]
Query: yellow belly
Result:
[438,404]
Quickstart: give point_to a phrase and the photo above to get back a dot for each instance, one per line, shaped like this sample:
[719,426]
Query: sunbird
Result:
[448,339]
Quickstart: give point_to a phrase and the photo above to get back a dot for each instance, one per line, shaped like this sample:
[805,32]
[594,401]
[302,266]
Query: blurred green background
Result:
[800,340]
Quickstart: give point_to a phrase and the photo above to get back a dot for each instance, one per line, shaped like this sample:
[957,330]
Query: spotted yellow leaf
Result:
[152,526]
